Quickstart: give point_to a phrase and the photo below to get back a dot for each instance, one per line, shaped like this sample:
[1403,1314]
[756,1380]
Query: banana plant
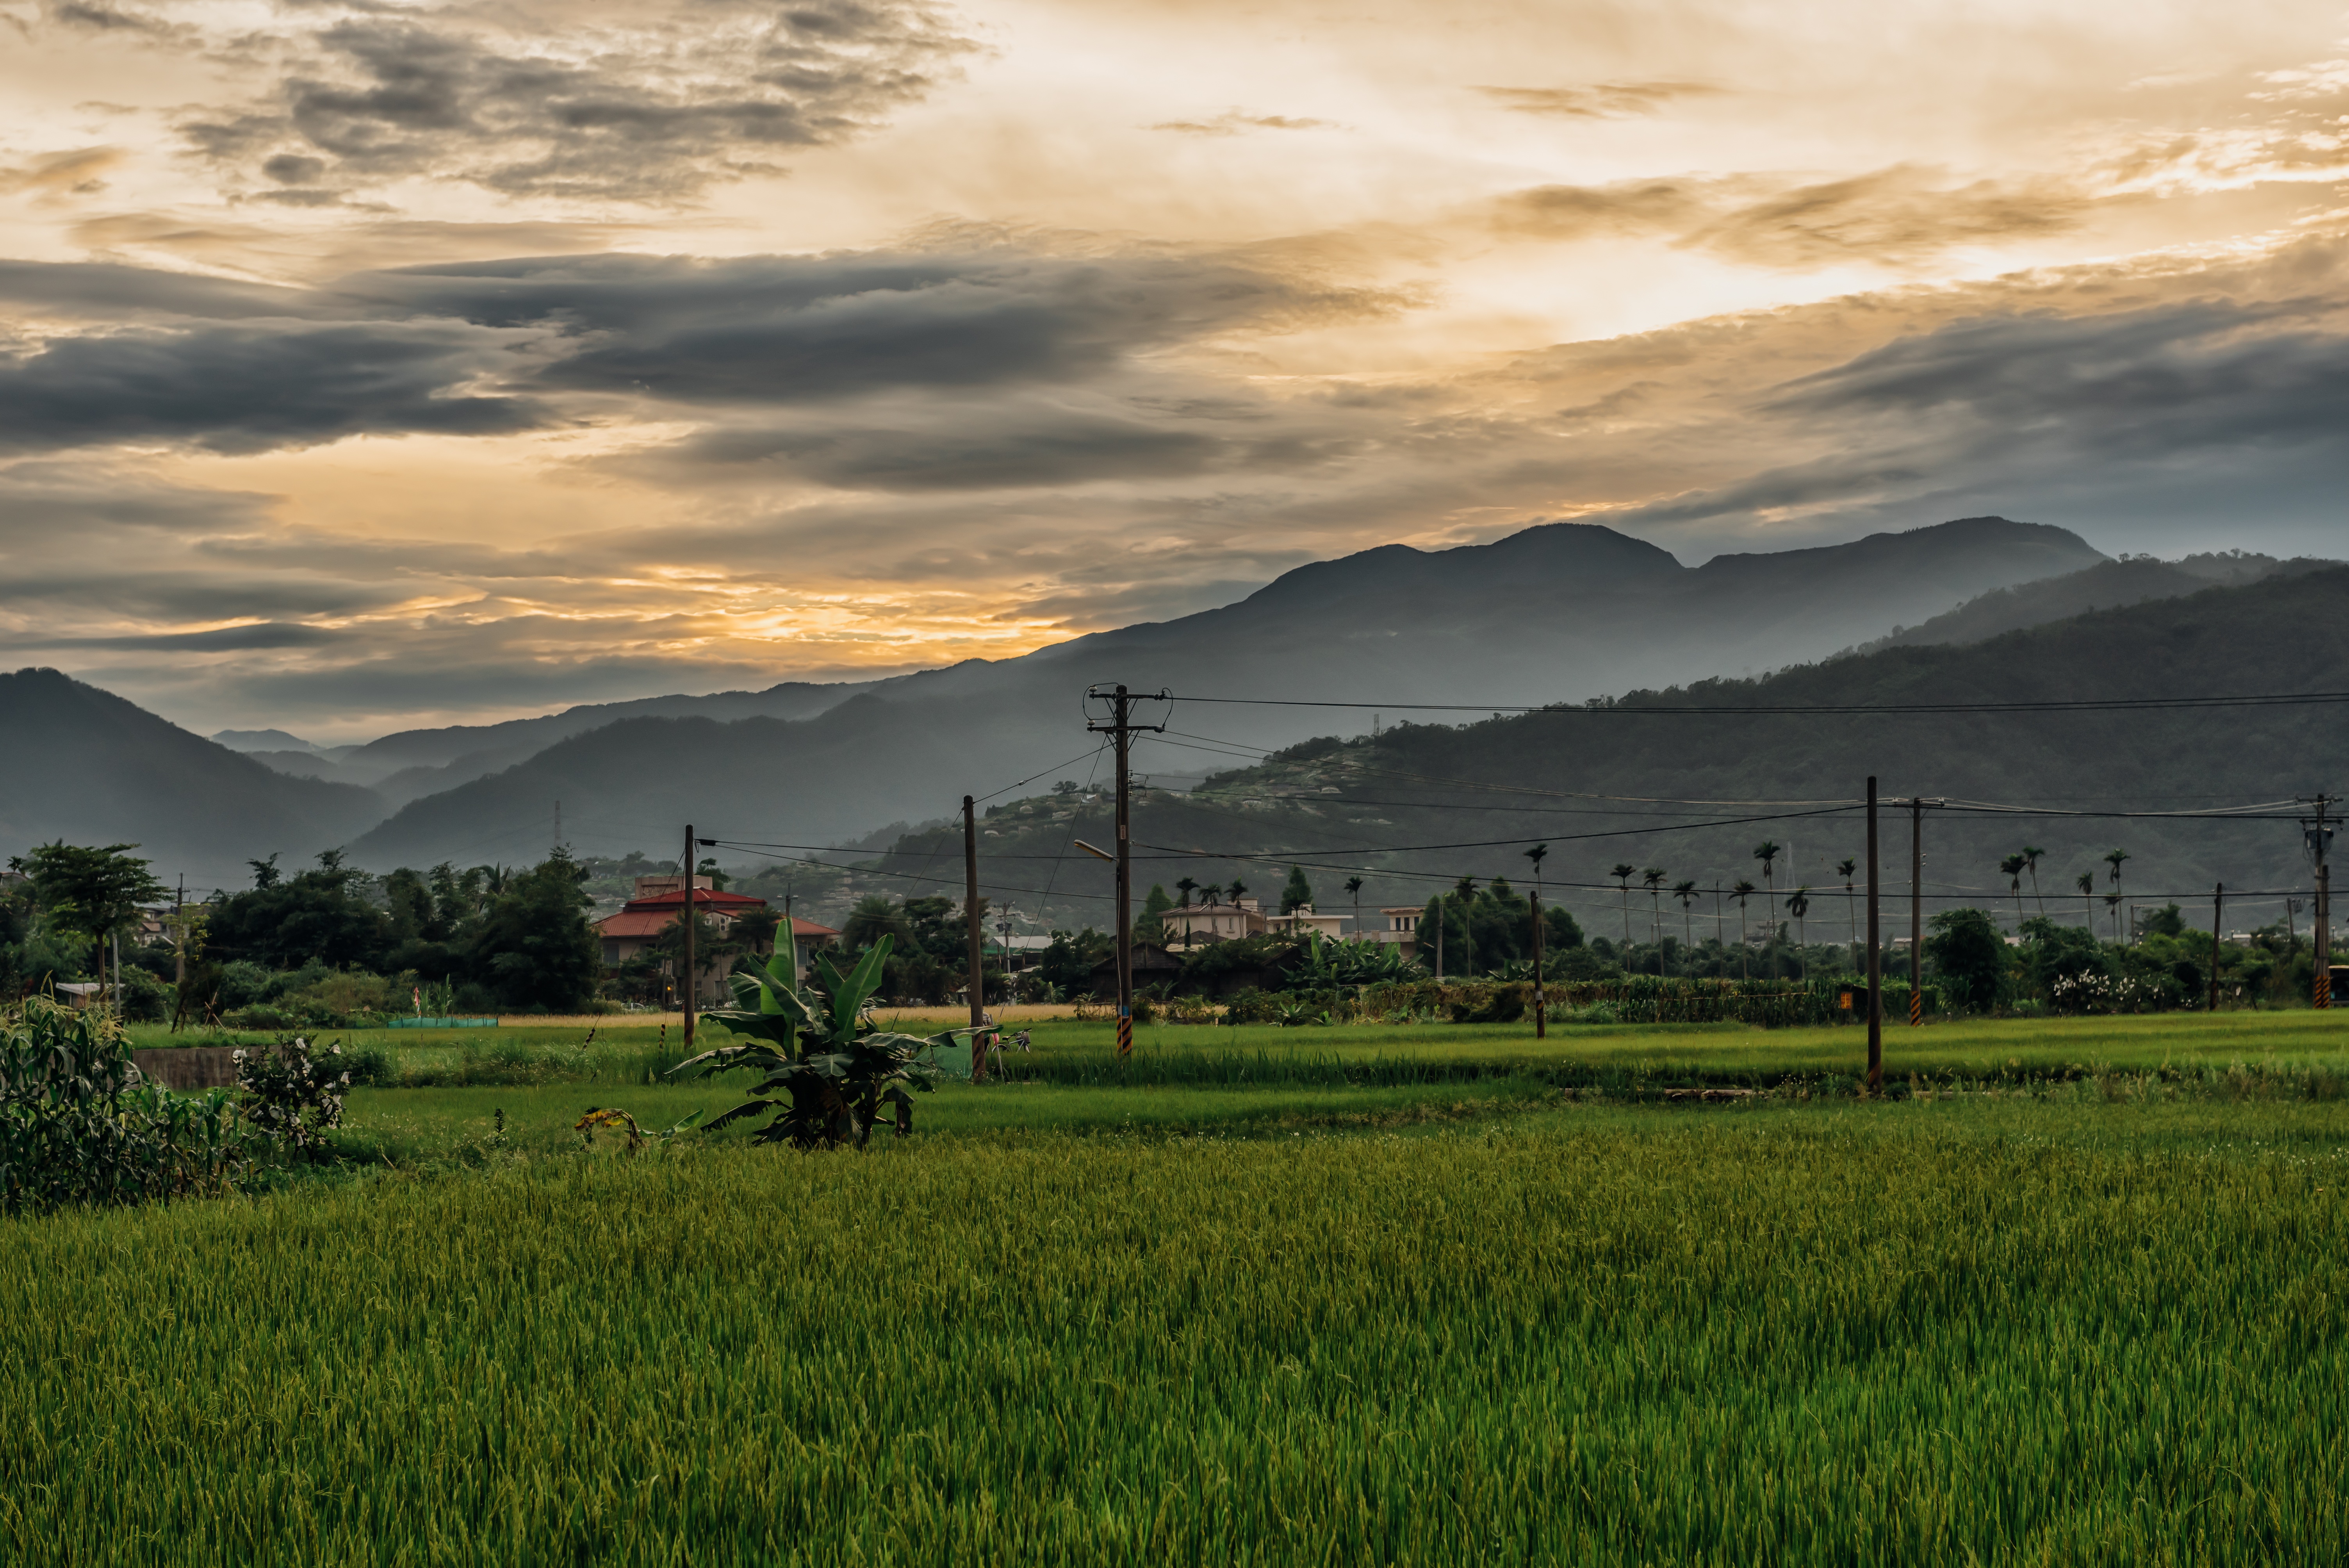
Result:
[817,1046]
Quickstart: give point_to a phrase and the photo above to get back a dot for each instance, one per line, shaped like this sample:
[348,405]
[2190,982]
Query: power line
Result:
[2060,705]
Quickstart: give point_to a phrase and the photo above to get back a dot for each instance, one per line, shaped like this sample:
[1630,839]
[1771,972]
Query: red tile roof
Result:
[705,898]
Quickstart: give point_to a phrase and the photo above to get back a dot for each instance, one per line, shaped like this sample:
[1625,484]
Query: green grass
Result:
[1939,1331]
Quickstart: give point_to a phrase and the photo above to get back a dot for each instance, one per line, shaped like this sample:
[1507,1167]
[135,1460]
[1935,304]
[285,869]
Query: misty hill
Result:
[1561,776]
[413,763]
[86,765]
[2105,585]
[263,740]
[1551,613]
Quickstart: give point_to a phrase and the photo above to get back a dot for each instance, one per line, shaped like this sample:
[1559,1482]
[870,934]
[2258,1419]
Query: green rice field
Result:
[2072,1291]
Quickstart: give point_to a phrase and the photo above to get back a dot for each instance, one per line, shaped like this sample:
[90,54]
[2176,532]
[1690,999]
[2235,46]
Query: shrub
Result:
[291,1097]
[77,1125]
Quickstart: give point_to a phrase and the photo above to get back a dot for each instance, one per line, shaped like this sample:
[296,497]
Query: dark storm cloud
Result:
[785,330]
[2241,403]
[220,640]
[1070,451]
[250,389]
[1897,215]
[104,291]
[542,107]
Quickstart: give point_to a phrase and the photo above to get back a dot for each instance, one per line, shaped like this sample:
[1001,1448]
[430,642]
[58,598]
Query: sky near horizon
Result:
[368,364]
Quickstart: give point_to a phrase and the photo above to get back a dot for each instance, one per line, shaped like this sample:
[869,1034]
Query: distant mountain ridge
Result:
[1551,613]
[1556,613]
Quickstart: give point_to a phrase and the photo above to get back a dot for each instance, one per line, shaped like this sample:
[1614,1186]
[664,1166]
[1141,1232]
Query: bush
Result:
[77,1125]
[291,1097]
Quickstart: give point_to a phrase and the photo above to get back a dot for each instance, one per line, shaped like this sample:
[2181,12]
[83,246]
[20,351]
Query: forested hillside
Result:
[1645,781]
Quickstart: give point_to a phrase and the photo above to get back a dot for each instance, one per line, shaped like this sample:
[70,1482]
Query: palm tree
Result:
[2114,859]
[1354,886]
[1799,905]
[1623,875]
[1186,886]
[2012,869]
[1741,892]
[2031,857]
[1686,893]
[1654,879]
[1465,891]
[2087,882]
[1232,892]
[1847,870]
[1767,852]
[874,916]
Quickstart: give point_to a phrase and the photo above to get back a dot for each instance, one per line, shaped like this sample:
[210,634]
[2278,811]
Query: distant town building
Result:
[1190,924]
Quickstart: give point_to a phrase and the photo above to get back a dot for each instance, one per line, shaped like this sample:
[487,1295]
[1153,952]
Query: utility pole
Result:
[2218,907]
[1916,911]
[1875,955]
[1120,728]
[687,989]
[180,959]
[2319,839]
[1541,1015]
[978,951]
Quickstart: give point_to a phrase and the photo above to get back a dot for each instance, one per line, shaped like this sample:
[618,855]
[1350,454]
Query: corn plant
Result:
[837,1070]
[78,1124]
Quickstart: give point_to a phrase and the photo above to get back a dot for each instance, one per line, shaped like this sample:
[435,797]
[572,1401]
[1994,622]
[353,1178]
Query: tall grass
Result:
[1839,1337]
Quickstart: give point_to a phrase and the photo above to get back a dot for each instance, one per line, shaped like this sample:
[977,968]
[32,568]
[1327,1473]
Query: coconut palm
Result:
[1623,875]
[2087,882]
[1653,877]
[1234,891]
[1741,892]
[1186,886]
[2032,855]
[1686,893]
[2012,868]
[2113,858]
[1799,905]
[1354,886]
[1767,852]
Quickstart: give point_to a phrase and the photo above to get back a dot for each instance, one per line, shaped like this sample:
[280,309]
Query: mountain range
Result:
[1645,781]
[1558,613]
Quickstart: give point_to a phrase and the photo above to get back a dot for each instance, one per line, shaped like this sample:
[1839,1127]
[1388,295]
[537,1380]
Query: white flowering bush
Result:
[290,1096]
[2089,992]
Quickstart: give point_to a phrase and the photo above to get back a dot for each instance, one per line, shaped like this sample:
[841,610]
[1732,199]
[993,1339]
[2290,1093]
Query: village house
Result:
[1400,929]
[1190,924]
[638,924]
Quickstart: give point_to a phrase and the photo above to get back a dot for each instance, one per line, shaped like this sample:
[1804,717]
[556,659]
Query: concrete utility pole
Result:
[2218,909]
[2319,839]
[1916,912]
[687,988]
[1541,1015]
[1120,728]
[180,958]
[1875,955]
[977,949]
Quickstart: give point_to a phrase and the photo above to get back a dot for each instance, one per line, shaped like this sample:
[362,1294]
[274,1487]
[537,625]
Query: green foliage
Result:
[1297,892]
[1970,956]
[77,1125]
[93,891]
[834,1068]
[533,947]
[290,1096]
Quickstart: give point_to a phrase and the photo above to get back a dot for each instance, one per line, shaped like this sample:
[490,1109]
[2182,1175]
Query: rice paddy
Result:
[1300,1315]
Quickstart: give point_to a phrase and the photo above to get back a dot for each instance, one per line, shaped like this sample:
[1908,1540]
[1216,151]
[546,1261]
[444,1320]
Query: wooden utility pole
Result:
[1875,955]
[180,957]
[1121,728]
[687,988]
[978,948]
[1916,911]
[2218,909]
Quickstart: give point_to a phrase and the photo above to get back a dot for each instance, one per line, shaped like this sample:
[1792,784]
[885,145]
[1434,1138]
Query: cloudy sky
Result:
[375,364]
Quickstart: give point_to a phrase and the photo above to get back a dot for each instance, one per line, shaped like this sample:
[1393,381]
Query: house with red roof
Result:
[659,901]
